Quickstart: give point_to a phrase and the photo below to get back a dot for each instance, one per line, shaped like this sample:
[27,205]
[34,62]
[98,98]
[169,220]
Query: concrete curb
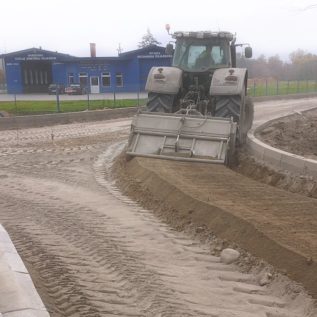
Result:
[18,296]
[277,159]
[34,121]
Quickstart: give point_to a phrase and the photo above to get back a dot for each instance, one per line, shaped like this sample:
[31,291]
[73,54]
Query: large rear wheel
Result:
[249,113]
[160,102]
[227,107]
[240,108]
[246,120]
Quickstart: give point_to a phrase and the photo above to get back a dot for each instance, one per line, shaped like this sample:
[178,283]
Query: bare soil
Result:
[272,224]
[296,134]
[92,251]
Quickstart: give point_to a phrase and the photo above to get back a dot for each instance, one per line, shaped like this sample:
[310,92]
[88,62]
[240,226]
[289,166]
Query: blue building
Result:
[33,70]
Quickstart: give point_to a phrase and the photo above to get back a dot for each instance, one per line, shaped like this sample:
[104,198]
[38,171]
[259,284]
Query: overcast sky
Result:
[68,26]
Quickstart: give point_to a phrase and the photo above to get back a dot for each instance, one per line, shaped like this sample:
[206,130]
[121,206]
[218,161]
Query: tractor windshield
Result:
[198,55]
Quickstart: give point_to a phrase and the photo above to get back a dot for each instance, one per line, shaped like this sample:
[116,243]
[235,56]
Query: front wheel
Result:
[159,102]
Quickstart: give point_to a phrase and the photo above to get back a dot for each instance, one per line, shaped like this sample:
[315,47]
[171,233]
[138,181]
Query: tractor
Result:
[198,108]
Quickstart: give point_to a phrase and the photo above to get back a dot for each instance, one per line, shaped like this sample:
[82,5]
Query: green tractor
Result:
[198,109]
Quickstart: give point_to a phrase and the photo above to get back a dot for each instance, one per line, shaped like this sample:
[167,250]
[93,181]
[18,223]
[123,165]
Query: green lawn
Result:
[41,107]
[255,88]
[271,88]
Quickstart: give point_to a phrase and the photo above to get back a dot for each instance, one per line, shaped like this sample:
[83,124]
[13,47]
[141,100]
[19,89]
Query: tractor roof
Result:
[203,35]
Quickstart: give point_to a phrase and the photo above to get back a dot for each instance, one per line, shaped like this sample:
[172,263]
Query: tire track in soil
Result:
[98,253]
[93,252]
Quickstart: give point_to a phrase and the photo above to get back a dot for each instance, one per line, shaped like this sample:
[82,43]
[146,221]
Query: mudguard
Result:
[228,81]
[164,80]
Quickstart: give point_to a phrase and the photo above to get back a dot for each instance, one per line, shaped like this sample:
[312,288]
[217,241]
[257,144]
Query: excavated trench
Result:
[92,251]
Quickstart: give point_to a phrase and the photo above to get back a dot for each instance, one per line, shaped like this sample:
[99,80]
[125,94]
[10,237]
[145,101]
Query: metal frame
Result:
[166,136]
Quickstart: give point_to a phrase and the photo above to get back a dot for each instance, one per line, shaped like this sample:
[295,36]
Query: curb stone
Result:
[18,296]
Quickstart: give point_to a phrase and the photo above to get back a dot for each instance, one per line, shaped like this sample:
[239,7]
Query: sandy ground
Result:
[272,224]
[297,134]
[92,251]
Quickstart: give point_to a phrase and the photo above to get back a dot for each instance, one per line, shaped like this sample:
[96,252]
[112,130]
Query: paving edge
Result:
[277,159]
[18,296]
[35,121]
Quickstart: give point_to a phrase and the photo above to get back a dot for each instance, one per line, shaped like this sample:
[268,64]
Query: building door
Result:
[36,76]
[94,85]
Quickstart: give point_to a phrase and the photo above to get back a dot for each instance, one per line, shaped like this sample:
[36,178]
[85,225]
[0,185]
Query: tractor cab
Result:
[201,54]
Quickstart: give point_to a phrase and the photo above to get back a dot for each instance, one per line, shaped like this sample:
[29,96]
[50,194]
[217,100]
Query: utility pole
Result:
[119,49]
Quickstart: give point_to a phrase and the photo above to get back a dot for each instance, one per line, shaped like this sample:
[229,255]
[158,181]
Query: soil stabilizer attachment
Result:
[182,137]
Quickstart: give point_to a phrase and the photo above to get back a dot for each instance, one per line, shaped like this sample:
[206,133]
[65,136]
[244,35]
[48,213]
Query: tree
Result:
[275,67]
[148,40]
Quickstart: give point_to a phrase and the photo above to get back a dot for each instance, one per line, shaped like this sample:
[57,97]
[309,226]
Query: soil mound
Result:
[272,224]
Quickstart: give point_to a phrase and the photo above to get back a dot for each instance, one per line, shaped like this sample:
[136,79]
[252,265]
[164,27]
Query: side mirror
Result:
[248,52]
[169,50]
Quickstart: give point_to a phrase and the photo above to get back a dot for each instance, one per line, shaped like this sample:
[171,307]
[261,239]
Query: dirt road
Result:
[93,252]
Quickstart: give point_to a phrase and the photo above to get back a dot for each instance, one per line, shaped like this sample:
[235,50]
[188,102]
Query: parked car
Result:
[75,89]
[52,89]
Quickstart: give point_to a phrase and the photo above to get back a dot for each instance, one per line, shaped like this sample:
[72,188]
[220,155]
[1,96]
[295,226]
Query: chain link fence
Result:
[273,87]
[26,104]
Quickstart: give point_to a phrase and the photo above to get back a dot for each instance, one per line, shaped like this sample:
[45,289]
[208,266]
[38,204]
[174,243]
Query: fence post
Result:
[254,87]
[266,92]
[138,97]
[114,98]
[58,108]
[15,104]
[306,85]
[277,87]
[88,101]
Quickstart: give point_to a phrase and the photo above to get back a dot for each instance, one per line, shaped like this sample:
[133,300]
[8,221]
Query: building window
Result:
[83,79]
[119,80]
[105,77]
[70,78]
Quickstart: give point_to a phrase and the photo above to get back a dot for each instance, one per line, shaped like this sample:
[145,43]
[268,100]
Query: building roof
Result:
[36,51]
[144,50]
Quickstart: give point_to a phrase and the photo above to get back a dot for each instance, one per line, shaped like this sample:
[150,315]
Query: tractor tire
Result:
[160,102]
[227,107]
[246,121]
[249,113]
[241,109]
